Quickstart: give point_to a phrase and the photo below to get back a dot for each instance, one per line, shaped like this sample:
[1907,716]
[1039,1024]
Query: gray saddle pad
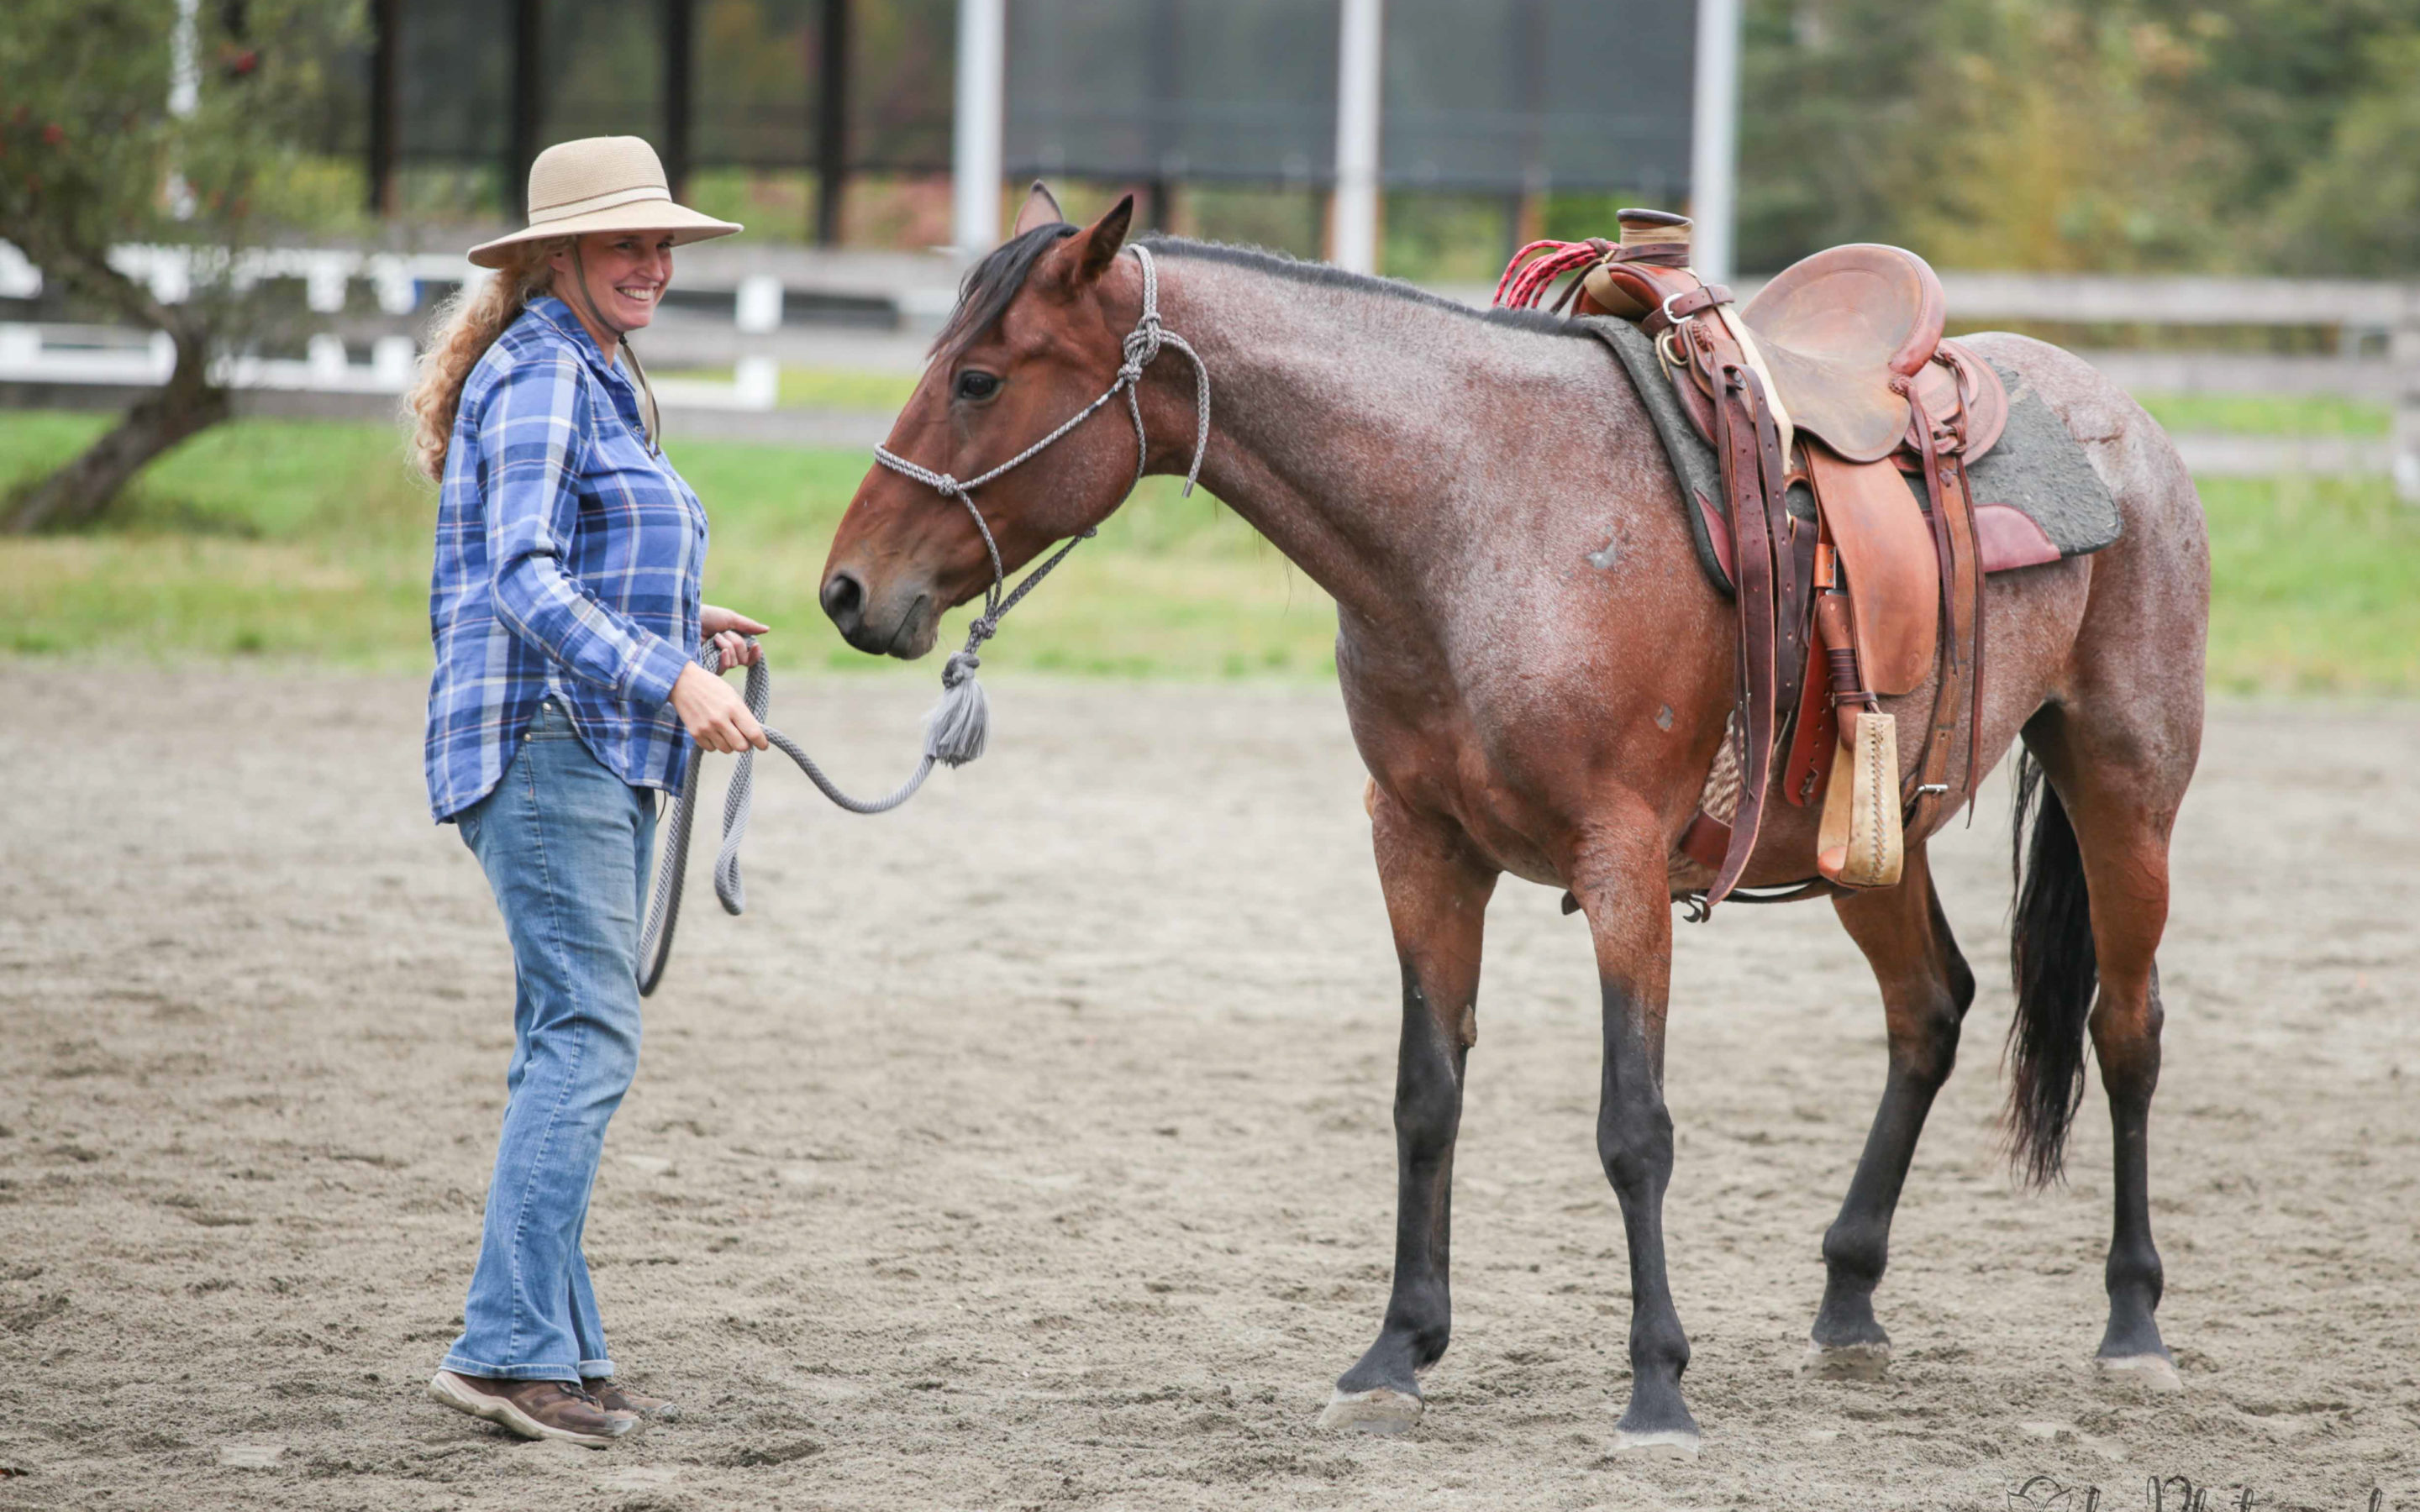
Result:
[2036,466]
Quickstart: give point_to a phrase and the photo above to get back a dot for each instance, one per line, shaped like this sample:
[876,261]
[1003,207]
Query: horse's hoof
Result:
[1660,1444]
[1378,1410]
[1846,1361]
[2154,1373]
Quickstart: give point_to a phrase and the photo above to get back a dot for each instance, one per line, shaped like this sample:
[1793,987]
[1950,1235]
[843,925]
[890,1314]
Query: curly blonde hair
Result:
[466,326]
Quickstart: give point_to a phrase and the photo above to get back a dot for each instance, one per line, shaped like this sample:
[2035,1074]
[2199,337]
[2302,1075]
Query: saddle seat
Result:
[1837,329]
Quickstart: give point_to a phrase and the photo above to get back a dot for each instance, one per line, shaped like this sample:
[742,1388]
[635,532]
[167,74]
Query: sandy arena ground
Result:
[1030,1147]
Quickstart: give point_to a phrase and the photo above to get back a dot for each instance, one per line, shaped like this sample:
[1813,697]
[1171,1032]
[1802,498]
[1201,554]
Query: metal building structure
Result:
[1352,98]
[836,86]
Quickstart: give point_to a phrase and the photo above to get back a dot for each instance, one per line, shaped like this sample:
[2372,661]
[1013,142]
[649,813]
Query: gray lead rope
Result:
[663,913]
[954,731]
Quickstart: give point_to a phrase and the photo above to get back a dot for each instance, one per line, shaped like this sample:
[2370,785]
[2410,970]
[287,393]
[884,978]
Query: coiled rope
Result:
[664,911]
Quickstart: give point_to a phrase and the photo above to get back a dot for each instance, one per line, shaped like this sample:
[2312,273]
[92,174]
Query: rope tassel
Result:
[955,730]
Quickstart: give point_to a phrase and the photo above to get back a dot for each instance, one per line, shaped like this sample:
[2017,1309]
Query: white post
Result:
[1358,85]
[975,143]
[19,278]
[2403,347]
[758,309]
[1714,138]
[184,68]
[184,93]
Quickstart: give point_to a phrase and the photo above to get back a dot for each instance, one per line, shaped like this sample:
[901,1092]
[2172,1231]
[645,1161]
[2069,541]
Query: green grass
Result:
[300,540]
[819,388]
[2315,586]
[2295,415]
[823,388]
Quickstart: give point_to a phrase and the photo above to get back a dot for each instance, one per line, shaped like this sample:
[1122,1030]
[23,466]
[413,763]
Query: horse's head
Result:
[1030,344]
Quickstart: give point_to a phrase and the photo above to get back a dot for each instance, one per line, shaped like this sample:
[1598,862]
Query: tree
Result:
[2273,136]
[105,143]
[2355,209]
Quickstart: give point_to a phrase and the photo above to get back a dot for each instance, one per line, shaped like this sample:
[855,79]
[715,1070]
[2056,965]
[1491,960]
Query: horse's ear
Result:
[1099,244]
[1040,209]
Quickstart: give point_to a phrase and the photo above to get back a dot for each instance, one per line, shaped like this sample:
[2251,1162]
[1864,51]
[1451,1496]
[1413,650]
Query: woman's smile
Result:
[634,304]
[622,275]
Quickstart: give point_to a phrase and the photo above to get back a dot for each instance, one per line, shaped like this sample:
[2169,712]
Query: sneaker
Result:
[535,1409]
[614,1397]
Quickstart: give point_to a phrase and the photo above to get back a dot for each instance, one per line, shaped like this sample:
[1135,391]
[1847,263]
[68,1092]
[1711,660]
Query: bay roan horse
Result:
[1536,674]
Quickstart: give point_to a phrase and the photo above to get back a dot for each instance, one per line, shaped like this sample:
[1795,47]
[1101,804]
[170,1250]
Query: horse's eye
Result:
[977,385]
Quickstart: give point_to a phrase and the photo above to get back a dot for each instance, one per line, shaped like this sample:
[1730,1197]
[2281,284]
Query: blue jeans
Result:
[565,844]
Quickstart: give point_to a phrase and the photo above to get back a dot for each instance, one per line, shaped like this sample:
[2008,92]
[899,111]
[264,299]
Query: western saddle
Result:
[1827,388]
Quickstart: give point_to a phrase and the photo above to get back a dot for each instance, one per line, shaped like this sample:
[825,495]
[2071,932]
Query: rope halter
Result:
[954,731]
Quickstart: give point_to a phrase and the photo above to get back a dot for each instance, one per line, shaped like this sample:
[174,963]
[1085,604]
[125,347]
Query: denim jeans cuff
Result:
[464,1365]
[596,1369]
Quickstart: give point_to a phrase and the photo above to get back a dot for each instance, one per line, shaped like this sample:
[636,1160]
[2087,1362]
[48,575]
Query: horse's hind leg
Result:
[1927,989]
[2102,833]
[1437,900]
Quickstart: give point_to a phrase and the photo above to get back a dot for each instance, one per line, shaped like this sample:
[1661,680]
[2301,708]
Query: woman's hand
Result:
[716,716]
[729,632]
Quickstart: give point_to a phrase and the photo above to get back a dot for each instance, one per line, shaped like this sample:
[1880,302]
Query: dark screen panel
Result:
[1235,89]
[1532,94]
[1480,95]
[1487,95]
[603,68]
[453,79]
[759,71]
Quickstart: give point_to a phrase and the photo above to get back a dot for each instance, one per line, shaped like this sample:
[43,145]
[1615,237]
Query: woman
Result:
[564,609]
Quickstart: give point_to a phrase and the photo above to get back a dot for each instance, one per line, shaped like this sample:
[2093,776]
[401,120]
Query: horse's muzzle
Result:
[844,599]
[905,627]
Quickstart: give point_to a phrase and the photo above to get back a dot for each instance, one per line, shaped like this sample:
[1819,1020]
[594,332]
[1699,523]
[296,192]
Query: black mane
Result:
[991,284]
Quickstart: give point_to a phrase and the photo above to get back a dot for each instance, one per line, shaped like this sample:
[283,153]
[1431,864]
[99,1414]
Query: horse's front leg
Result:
[1927,989]
[1437,900]
[1621,888]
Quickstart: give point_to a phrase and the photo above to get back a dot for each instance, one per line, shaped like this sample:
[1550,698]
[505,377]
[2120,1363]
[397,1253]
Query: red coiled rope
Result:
[1523,288]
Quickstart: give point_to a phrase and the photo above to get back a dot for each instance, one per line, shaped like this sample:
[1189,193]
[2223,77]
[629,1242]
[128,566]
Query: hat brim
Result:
[685,225]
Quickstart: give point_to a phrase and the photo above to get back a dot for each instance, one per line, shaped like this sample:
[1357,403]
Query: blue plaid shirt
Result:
[568,554]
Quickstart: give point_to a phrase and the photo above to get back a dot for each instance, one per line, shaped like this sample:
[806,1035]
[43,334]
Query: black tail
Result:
[2051,956]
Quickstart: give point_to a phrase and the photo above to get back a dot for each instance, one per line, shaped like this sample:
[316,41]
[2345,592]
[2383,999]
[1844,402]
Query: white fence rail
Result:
[401,285]
[766,285]
[2357,311]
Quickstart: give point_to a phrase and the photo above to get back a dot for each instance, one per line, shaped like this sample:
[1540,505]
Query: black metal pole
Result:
[1528,209]
[382,144]
[520,145]
[680,76]
[832,124]
[1166,83]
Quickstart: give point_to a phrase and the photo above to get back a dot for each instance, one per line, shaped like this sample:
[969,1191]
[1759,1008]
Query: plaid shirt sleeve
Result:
[536,428]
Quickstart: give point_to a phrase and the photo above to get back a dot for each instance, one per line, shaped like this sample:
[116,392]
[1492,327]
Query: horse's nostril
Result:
[843,598]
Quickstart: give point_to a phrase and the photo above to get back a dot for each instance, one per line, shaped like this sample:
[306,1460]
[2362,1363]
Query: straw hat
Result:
[600,183]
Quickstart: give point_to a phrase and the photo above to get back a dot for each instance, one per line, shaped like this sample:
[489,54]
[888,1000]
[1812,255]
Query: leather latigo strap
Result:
[1772,607]
[1770,553]
[1735,423]
[1958,690]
